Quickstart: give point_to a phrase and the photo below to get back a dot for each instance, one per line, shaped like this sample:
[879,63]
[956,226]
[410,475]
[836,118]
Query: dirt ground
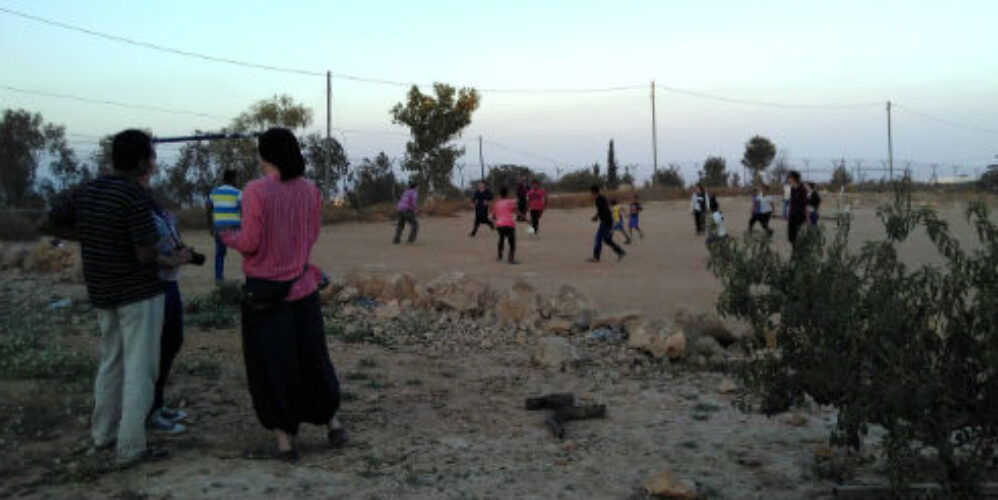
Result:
[436,411]
[662,273]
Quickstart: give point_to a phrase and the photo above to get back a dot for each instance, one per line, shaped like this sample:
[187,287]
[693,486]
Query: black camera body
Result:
[197,258]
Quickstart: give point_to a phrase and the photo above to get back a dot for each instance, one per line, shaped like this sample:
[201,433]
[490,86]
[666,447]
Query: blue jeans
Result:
[219,257]
[604,235]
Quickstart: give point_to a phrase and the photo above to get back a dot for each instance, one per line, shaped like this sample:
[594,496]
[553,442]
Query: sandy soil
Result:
[437,413]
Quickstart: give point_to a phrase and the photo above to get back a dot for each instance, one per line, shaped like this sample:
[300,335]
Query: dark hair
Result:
[129,149]
[713,204]
[594,189]
[613,201]
[278,146]
[413,184]
[793,174]
[504,191]
[229,176]
[811,185]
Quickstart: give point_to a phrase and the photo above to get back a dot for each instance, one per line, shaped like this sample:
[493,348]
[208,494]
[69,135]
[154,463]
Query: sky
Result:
[835,63]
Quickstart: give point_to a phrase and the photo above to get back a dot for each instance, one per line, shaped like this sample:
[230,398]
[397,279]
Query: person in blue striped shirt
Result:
[224,212]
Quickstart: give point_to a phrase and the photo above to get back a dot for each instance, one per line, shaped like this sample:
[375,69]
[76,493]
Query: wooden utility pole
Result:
[329,104]
[890,143]
[481,158]
[654,136]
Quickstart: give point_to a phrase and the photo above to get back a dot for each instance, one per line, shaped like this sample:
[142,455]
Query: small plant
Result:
[356,376]
[28,350]
[911,349]
[367,363]
[217,309]
[200,367]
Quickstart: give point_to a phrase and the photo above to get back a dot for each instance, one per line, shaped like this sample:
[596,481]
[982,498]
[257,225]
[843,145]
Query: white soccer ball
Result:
[530,229]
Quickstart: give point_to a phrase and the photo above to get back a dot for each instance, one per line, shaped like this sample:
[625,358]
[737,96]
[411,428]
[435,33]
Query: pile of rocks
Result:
[555,319]
[43,257]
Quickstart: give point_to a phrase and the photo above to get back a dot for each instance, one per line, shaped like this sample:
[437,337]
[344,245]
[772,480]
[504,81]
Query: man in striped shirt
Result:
[224,209]
[112,218]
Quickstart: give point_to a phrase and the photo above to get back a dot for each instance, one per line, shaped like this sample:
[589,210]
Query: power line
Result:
[769,104]
[944,121]
[111,103]
[524,153]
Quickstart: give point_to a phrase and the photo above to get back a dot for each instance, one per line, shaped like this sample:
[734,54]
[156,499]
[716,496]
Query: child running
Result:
[716,231]
[633,211]
[604,233]
[504,212]
[618,220]
[537,199]
[762,209]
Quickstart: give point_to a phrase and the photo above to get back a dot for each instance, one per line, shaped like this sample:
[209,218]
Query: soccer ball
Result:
[530,229]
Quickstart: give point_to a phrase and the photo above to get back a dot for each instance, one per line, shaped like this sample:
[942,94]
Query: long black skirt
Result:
[290,376]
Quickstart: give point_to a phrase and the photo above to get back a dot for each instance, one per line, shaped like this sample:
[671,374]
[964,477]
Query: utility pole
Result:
[654,136]
[890,143]
[329,104]
[481,159]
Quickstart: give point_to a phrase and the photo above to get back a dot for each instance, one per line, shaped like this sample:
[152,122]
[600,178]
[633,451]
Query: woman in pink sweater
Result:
[290,376]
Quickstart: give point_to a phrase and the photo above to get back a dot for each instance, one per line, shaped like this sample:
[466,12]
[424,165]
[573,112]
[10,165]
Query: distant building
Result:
[960,179]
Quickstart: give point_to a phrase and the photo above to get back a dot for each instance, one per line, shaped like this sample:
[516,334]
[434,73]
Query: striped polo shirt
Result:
[226,205]
[113,216]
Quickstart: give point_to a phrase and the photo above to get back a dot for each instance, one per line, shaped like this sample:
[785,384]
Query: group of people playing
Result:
[801,204]
[132,252]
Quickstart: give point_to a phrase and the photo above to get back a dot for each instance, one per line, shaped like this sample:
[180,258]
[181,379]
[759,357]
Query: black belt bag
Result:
[264,295]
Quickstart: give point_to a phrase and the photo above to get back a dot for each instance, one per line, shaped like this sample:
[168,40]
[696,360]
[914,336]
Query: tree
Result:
[433,122]
[374,181]
[596,172]
[627,179]
[670,177]
[63,165]
[911,349]
[509,175]
[611,168]
[759,153]
[326,162]
[714,172]
[578,181]
[200,164]
[24,139]
[736,180]
[989,179]
[778,174]
[840,174]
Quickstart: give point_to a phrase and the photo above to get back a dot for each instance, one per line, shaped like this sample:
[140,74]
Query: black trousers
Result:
[171,340]
[793,229]
[482,217]
[698,221]
[762,219]
[407,217]
[507,233]
[290,376]
[535,220]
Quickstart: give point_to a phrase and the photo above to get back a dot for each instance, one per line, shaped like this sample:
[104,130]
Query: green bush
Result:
[217,309]
[913,350]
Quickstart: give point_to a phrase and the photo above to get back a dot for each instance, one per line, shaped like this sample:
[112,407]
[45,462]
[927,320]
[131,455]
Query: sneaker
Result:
[592,259]
[157,423]
[621,255]
[514,262]
[173,415]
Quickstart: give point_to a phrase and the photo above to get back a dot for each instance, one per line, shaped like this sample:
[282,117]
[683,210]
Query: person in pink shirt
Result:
[407,207]
[537,198]
[504,212]
[290,376]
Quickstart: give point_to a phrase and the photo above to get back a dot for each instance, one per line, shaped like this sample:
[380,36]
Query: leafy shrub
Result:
[216,309]
[912,350]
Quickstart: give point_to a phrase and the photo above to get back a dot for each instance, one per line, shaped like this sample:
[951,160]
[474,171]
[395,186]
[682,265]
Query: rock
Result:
[333,289]
[554,352]
[45,257]
[727,386]
[13,256]
[770,337]
[400,287]
[388,311]
[571,304]
[606,334]
[617,321]
[707,347]
[372,286]
[558,326]
[659,341]
[796,420]
[348,294]
[665,485]
[457,292]
[517,306]
[707,325]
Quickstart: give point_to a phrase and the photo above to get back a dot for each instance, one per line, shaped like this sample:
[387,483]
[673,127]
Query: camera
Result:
[197,258]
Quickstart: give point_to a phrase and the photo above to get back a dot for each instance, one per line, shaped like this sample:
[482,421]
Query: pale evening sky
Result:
[935,58]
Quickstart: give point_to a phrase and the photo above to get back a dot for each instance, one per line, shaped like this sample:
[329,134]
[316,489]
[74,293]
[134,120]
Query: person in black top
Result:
[604,234]
[482,198]
[797,215]
[698,205]
[522,188]
[112,217]
[813,202]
